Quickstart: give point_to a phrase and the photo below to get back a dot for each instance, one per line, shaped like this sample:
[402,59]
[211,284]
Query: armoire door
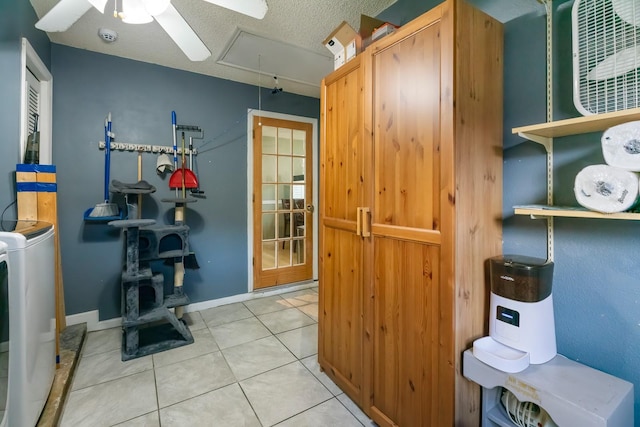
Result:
[340,347]
[408,157]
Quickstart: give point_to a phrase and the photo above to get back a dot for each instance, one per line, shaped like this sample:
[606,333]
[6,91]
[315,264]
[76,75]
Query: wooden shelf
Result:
[578,125]
[571,212]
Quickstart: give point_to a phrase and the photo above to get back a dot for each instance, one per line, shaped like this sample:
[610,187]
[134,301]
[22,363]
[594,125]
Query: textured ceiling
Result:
[290,30]
[298,24]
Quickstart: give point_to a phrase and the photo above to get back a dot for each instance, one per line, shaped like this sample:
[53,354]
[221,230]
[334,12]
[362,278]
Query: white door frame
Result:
[250,228]
[30,59]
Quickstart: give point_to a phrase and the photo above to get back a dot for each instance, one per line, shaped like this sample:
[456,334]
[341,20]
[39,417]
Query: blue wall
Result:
[596,289]
[141,97]
[16,21]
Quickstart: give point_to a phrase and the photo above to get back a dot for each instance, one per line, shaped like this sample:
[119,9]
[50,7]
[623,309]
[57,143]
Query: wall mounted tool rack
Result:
[155,149]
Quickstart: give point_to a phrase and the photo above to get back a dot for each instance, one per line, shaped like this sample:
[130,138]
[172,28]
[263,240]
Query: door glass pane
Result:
[298,168]
[298,196]
[284,196]
[269,197]
[284,141]
[268,255]
[268,140]
[269,168]
[298,245]
[284,258]
[300,217]
[299,141]
[284,169]
[284,225]
[268,226]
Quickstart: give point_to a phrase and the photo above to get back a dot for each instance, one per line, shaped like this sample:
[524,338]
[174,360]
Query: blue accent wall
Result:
[16,21]
[596,289]
[140,97]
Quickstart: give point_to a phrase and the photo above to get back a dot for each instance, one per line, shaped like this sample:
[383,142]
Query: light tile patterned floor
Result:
[252,364]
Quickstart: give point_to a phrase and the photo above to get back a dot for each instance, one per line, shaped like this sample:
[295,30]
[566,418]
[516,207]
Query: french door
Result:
[282,202]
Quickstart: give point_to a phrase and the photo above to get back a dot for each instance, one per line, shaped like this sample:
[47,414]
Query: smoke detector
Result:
[107,35]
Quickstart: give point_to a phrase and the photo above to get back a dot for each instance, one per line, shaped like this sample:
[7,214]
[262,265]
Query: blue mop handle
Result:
[175,143]
[107,156]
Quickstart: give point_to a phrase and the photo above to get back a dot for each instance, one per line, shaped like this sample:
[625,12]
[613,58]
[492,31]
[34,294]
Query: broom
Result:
[106,209]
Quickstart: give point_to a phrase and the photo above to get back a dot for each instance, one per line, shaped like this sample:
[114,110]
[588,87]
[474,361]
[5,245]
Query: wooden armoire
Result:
[410,210]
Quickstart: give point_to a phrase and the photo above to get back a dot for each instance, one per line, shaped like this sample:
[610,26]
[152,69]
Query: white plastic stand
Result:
[572,394]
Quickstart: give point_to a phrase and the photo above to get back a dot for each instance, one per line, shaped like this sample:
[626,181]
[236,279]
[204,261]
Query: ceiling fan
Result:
[66,12]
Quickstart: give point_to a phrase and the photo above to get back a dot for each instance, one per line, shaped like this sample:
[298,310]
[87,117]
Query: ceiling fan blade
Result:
[99,4]
[254,8]
[63,15]
[182,34]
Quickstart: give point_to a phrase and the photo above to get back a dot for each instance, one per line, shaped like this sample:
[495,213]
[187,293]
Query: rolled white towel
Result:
[621,146]
[606,189]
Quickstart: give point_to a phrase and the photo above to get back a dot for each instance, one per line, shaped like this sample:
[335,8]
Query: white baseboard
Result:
[88,317]
[248,296]
[91,318]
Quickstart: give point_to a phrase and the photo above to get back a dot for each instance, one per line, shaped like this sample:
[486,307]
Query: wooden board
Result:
[27,201]
[579,125]
[48,212]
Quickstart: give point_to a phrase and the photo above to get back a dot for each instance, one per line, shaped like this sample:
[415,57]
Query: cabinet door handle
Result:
[358,221]
[365,226]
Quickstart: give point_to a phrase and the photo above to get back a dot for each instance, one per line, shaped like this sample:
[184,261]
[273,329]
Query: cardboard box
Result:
[345,43]
[383,30]
[367,26]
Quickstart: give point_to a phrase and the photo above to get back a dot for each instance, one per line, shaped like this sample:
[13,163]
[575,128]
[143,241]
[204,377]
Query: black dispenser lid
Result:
[521,278]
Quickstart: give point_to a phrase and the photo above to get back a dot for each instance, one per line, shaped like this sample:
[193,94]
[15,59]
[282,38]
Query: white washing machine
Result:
[4,327]
[30,280]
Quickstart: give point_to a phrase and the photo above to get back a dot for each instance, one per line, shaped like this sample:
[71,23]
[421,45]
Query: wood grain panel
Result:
[408,233]
[340,316]
[342,162]
[406,332]
[27,201]
[406,131]
[448,198]
[432,180]
[340,224]
[478,177]
[48,212]
[340,321]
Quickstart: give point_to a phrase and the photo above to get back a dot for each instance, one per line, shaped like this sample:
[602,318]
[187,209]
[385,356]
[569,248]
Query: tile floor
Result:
[252,364]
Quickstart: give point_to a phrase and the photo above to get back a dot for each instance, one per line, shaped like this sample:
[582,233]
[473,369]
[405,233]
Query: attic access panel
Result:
[275,58]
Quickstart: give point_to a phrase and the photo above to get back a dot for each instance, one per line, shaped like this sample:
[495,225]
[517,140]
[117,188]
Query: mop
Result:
[106,209]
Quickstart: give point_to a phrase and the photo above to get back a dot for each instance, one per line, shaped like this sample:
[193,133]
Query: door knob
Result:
[310,208]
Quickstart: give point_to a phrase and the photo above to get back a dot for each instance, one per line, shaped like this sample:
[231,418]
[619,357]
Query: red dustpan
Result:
[183,178]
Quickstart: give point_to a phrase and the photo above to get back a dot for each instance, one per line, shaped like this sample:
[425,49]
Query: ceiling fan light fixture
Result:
[134,12]
[155,7]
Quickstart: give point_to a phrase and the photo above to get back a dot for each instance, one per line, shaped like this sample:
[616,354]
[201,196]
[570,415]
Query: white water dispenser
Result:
[521,320]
